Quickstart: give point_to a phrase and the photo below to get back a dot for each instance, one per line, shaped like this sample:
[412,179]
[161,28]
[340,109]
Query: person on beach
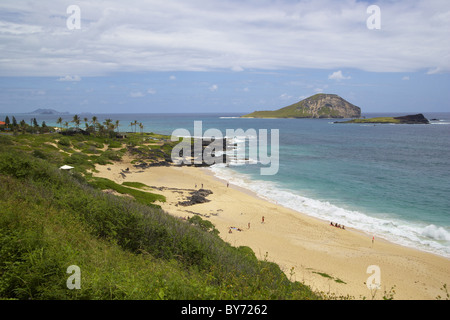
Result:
[262,220]
[249,225]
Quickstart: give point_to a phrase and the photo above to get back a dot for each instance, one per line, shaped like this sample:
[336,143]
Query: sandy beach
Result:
[328,259]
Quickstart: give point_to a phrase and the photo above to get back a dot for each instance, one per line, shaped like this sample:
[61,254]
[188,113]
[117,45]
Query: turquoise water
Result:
[391,181]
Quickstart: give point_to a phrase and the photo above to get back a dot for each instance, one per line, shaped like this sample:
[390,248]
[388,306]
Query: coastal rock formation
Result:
[198,196]
[413,119]
[317,106]
[410,119]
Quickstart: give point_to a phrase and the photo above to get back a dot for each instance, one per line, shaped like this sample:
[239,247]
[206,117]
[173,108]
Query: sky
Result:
[223,56]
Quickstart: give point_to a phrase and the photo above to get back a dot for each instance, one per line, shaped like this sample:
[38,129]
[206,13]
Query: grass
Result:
[374,120]
[138,185]
[325,275]
[140,196]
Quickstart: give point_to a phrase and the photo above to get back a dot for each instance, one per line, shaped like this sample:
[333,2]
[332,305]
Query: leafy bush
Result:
[203,224]
[64,141]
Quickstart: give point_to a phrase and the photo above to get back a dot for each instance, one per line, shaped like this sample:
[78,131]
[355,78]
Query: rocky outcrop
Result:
[318,106]
[413,119]
[197,196]
[410,119]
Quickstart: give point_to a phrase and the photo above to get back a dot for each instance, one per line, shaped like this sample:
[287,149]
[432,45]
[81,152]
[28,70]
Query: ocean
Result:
[389,181]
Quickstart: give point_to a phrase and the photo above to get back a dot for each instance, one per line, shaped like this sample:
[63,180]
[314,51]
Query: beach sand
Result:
[309,250]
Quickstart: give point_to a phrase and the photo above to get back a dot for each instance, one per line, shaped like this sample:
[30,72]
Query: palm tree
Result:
[66,124]
[76,120]
[94,122]
[59,121]
[22,126]
[141,128]
[117,125]
[107,122]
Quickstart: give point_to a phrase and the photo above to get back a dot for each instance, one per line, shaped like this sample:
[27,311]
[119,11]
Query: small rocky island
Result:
[317,106]
[410,119]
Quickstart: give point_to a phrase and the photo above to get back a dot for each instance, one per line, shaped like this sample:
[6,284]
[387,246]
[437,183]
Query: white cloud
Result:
[151,91]
[172,78]
[213,88]
[285,96]
[136,94]
[230,35]
[337,75]
[70,78]
[237,68]
[435,70]
[405,78]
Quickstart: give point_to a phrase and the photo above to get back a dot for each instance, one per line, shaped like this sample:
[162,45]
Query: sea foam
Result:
[429,238]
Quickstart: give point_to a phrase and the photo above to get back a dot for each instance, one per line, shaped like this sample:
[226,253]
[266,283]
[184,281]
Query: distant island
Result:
[317,106]
[47,111]
[410,119]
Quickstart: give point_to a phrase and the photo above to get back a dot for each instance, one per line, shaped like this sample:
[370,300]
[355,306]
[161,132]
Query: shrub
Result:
[64,141]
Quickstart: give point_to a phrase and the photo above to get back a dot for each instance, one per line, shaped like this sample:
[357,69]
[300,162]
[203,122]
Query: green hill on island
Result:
[317,106]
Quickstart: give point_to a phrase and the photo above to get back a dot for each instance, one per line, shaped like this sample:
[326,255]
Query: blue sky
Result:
[223,56]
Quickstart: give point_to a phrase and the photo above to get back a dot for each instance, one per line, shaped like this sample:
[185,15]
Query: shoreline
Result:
[380,236]
[320,220]
[307,249]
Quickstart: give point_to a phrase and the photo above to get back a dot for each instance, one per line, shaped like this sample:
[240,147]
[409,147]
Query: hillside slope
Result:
[126,249]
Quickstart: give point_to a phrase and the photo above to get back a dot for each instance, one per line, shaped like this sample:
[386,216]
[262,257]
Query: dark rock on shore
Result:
[197,196]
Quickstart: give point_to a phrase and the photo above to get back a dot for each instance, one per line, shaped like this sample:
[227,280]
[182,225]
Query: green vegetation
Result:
[23,127]
[135,185]
[139,196]
[409,119]
[326,275]
[374,120]
[125,248]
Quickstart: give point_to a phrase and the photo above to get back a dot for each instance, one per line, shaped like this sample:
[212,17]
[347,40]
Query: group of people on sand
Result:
[234,228]
[337,225]
[248,226]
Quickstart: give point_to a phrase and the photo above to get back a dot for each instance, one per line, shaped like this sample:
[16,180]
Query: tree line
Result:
[93,125]
[22,126]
